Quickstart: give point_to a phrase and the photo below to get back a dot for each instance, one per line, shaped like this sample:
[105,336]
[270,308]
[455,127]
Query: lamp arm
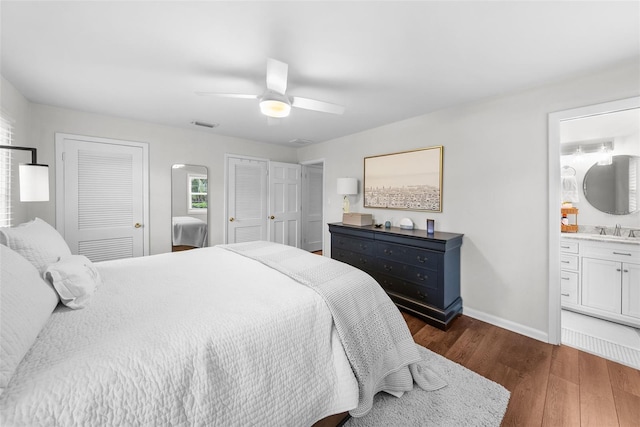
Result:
[34,156]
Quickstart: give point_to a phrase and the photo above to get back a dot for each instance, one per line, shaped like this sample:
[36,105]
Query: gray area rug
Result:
[468,400]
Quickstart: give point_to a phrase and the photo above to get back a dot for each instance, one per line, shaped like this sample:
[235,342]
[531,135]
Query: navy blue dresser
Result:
[420,273]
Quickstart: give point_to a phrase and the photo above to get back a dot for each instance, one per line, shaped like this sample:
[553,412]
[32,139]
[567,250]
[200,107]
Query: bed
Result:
[227,335]
[189,231]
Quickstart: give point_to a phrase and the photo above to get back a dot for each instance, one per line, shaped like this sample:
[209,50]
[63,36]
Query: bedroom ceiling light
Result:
[275,105]
[347,187]
[34,178]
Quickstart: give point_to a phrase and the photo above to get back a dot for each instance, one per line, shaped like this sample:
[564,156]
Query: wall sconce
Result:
[347,187]
[34,178]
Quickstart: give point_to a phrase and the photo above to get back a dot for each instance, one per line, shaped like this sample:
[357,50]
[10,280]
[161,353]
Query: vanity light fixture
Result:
[34,178]
[347,187]
[605,159]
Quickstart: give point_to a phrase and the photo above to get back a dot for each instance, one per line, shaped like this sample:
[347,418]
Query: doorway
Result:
[582,140]
[312,206]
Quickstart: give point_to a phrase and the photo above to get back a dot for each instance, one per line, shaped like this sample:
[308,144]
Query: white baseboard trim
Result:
[507,324]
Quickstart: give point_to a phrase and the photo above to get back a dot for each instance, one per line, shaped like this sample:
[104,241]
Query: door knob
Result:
[137,225]
[231,219]
[272,217]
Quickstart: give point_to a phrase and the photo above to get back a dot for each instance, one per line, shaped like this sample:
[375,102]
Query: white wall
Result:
[494,187]
[167,146]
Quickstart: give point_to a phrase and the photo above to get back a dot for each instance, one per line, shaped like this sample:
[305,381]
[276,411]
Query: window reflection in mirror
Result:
[189,203]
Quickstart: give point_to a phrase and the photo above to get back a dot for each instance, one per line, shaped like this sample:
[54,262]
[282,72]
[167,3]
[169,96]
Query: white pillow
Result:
[75,280]
[26,303]
[37,241]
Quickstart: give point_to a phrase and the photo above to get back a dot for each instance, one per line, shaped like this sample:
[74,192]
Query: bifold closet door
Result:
[246,200]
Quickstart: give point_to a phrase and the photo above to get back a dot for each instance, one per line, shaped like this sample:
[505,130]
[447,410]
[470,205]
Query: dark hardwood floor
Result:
[549,385]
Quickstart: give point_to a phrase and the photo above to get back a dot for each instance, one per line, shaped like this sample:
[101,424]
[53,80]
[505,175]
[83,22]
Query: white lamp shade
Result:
[34,183]
[347,186]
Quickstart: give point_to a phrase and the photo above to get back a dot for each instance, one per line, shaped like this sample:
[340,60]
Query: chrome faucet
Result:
[632,233]
[602,230]
[616,231]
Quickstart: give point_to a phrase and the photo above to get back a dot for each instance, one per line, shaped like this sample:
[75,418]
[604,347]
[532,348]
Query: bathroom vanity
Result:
[600,276]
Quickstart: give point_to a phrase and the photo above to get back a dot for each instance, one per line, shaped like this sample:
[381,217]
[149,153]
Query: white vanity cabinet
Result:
[608,279]
[569,273]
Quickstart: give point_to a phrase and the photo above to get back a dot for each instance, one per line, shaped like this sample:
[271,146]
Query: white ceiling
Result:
[384,61]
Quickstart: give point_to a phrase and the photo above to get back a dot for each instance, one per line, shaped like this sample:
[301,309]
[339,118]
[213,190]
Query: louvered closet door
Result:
[104,200]
[246,200]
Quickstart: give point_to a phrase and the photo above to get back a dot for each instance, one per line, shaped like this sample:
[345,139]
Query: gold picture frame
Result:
[408,180]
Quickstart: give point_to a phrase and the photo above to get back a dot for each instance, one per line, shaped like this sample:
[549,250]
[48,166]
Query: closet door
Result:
[102,196]
[246,200]
[284,203]
[312,223]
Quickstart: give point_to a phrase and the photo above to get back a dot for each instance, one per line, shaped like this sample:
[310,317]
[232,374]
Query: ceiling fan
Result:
[274,102]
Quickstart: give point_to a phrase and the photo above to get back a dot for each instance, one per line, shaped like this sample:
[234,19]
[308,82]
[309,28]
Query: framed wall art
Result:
[410,180]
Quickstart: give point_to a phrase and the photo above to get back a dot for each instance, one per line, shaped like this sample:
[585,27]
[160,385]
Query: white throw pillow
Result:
[37,241]
[26,303]
[75,280]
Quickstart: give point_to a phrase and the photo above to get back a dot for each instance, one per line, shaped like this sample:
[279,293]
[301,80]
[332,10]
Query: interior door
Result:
[102,196]
[312,223]
[246,199]
[284,203]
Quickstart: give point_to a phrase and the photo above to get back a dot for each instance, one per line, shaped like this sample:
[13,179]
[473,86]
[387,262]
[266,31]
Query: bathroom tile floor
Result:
[610,340]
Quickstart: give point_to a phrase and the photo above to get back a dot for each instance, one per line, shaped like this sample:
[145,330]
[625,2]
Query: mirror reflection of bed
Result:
[189,202]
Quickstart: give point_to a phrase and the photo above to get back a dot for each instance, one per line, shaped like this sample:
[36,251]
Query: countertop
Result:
[601,238]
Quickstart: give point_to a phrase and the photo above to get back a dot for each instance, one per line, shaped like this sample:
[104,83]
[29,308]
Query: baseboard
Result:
[507,324]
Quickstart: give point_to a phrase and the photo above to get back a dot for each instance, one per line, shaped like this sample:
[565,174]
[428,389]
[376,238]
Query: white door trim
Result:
[554,335]
[60,205]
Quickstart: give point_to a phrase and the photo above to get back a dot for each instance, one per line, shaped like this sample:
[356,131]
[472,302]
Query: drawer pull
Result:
[362,261]
[363,247]
[421,295]
[421,277]
[387,267]
[621,253]
[565,247]
[421,259]
[566,295]
[388,251]
[565,278]
[565,262]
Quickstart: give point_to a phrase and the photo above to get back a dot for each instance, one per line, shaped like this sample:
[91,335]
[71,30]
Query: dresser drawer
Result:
[352,244]
[612,252]
[569,247]
[410,290]
[361,261]
[409,273]
[407,255]
[569,262]
[569,287]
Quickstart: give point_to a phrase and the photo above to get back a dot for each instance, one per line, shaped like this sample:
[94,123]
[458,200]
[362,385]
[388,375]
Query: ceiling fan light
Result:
[274,108]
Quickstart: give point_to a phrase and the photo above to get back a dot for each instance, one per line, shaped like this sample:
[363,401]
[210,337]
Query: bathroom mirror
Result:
[613,188]
[189,203]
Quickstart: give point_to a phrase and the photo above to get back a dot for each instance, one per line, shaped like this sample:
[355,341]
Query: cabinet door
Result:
[631,289]
[601,284]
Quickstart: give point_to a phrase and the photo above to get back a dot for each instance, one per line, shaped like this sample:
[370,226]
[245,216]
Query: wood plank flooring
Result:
[549,385]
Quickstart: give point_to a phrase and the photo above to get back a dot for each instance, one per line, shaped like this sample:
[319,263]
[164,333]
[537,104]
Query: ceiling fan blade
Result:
[277,75]
[228,95]
[315,105]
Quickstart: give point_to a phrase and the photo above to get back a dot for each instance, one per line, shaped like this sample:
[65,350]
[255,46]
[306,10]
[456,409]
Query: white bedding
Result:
[189,231]
[191,338]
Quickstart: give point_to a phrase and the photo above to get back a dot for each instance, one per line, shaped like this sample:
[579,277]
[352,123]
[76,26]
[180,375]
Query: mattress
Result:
[202,337]
[189,231]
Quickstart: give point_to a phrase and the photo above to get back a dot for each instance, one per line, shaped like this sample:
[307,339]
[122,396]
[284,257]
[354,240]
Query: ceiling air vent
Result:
[205,124]
[299,141]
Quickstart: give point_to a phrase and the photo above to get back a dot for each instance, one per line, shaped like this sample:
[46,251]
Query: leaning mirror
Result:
[613,188]
[189,202]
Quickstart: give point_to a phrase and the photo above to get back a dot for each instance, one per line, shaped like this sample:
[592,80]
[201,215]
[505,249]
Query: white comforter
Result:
[189,231]
[204,337]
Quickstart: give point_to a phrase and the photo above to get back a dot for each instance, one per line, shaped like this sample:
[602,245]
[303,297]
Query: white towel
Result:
[570,189]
